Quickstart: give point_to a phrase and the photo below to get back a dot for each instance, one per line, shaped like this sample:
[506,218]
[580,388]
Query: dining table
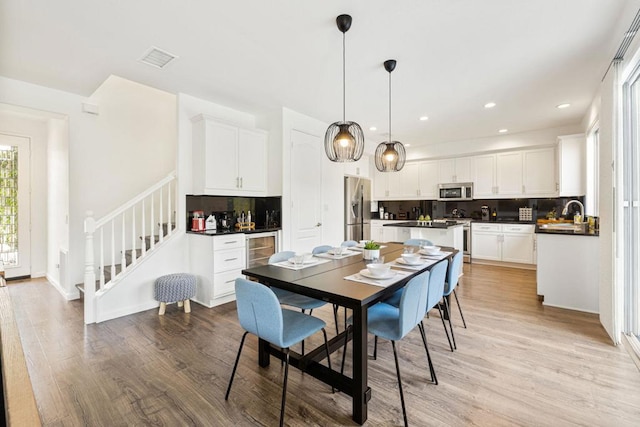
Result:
[327,281]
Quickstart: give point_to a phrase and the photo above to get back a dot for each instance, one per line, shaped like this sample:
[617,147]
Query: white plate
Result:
[367,273]
[307,261]
[405,262]
[332,252]
[436,254]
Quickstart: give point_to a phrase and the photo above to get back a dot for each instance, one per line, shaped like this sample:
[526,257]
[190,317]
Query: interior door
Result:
[15,210]
[306,191]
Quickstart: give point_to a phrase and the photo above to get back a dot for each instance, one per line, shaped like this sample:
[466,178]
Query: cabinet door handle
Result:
[557,187]
[523,190]
[230,281]
[319,224]
[230,242]
[230,259]
[237,182]
[240,182]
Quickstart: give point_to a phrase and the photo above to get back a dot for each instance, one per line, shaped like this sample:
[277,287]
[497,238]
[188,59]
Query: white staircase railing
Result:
[125,230]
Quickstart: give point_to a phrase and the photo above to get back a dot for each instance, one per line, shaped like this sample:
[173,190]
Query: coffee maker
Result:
[486,212]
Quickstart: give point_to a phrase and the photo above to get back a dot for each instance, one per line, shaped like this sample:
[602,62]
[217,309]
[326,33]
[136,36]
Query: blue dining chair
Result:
[417,242]
[292,299]
[394,323]
[260,314]
[450,287]
[349,243]
[321,249]
[436,290]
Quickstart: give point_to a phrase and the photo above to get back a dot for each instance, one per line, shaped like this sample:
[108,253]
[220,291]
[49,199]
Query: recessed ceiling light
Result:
[561,106]
[503,130]
[489,105]
[373,128]
[423,118]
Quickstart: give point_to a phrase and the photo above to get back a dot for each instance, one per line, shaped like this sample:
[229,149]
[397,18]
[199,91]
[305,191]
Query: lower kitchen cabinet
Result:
[216,261]
[509,243]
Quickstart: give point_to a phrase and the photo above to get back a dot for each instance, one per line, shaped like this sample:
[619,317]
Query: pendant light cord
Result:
[389,107]
[344,79]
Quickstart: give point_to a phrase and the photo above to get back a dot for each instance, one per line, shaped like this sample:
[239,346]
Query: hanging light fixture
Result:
[344,141]
[390,156]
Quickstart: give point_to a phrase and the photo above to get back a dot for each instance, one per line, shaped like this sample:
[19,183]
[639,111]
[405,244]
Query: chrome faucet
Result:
[566,208]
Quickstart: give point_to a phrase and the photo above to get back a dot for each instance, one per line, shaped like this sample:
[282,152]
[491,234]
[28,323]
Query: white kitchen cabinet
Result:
[509,174]
[409,181]
[359,168]
[396,234]
[513,243]
[216,261]
[539,172]
[485,242]
[428,180]
[484,176]
[377,233]
[227,159]
[572,165]
[386,185]
[458,169]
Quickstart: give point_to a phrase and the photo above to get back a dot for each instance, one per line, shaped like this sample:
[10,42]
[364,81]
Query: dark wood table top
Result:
[326,281]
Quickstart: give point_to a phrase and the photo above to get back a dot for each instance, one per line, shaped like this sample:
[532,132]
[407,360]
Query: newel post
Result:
[89,270]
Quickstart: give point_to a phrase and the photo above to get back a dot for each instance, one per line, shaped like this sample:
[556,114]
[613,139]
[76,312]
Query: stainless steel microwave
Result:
[455,191]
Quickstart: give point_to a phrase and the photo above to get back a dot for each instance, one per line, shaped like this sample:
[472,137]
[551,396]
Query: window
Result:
[9,205]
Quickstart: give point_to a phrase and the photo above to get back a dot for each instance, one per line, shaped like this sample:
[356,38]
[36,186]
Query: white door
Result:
[306,191]
[15,210]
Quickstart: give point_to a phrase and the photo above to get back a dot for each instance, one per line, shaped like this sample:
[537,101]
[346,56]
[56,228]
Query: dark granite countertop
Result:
[415,224]
[220,232]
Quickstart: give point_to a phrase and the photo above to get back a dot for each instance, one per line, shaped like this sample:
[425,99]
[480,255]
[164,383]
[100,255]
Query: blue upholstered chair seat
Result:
[383,321]
[297,326]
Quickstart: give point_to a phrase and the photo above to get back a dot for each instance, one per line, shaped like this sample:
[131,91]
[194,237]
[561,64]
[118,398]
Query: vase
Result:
[370,254]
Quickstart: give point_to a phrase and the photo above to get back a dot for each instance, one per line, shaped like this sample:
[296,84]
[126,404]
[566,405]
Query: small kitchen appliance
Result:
[486,212]
[455,191]
[197,221]
[525,214]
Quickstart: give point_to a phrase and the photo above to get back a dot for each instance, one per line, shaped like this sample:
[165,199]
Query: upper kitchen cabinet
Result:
[455,170]
[522,173]
[539,172]
[227,159]
[359,168]
[416,181]
[572,161]
[484,177]
[428,180]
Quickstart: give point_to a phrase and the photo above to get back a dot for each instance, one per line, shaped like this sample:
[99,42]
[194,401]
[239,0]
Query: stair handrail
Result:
[108,217]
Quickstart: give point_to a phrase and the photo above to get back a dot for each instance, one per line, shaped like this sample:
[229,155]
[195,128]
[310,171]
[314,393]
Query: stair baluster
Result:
[113,248]
[153,223]
[168,210]
[160,233]
[101,258]
[143,232]
[123,262]
[134,252]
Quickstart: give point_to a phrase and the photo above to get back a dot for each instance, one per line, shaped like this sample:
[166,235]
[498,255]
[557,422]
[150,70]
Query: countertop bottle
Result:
[248,216]
[494,215]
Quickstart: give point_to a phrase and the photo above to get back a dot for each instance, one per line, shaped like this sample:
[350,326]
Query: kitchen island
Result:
[447,233]
[568,269]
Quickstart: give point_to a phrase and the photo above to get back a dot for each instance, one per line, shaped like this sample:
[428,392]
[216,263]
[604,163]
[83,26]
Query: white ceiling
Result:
[255,55]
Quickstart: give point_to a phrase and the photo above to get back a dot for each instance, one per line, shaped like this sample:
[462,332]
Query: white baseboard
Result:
[68,295]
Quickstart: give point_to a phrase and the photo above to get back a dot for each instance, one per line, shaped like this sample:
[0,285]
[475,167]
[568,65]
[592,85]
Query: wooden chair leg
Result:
[187,306]
[180,303]
[163,307]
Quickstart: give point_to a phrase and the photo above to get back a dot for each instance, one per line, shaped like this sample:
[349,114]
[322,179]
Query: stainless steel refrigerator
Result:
[357,208]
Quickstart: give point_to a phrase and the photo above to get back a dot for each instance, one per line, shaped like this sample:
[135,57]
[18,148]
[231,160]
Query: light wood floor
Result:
[518,363]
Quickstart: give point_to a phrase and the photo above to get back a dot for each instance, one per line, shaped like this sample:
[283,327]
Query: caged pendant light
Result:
[344,141]
[390,156]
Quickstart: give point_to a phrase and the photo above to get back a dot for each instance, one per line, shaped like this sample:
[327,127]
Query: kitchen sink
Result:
[567,226]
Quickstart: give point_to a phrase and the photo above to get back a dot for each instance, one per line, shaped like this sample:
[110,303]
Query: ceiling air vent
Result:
[157,57]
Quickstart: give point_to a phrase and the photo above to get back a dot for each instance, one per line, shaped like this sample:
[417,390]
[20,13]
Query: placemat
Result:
[290,266]
[331,256]
[378,282]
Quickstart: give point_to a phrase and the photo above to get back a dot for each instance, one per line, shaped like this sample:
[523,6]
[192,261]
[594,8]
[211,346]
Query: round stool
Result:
[179,287]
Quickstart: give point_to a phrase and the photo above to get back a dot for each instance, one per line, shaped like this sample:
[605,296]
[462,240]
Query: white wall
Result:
[58,201]
[495,143]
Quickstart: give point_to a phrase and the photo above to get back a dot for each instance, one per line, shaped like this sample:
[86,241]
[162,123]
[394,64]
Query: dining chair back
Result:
[321,249]
[450,287]
[436,290]
[281,256]
[260,314]
[394,323]
[417,242]
[349,243]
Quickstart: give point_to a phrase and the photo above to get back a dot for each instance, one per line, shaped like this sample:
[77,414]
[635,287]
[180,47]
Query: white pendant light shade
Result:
[344,141]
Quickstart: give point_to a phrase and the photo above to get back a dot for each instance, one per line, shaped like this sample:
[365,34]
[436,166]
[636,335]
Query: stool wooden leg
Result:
[163,306]
[180,303]
[187,306]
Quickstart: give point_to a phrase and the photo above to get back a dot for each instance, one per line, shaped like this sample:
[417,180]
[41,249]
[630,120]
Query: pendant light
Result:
[390,156]
[344,141]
